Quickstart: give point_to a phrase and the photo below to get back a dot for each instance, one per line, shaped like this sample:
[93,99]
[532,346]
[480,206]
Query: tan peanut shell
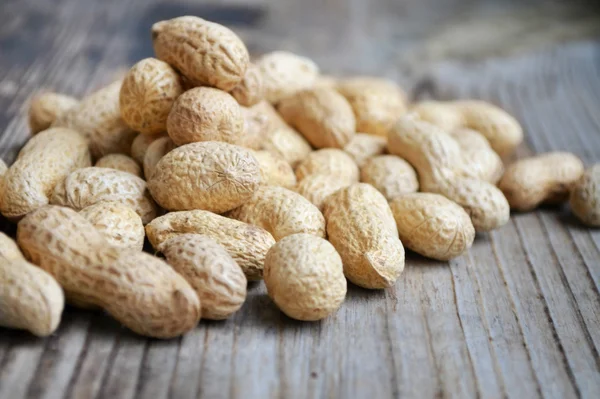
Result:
[141,143]
[118,223]
[205,114]
[206,53]
[42,163]
[361,227]
[305,277]
[322,115]
[3,168]
[46,107]
[247,244]
[219,282]
[285,73]
[391,175]
[432,225]
[281,212]
[88,186]
[120,162]
[251,89]
[543,178]
[30,298]
[316,188]
[479,159]
[585,197]
[377,103]
[288,144]
[154,153]
[274,170]
[148,92]
[257,125]
[211,175]
[437,158]
[98,118]
[331,162]
[364,146]
[139,290]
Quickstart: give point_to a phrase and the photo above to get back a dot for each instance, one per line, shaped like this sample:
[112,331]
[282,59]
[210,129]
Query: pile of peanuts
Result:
[239,170]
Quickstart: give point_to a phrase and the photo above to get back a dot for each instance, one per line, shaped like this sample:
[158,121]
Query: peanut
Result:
[154,153]
[206,53]
[98,118]
[547,178]
[322,115]
[251,89]
[391,175]
[42,163]
[120,162]
[304,277]
[205,114]
[438,160]
[274,170]
[377,103]
[479,159]
[288,144]
[361,227]
[140,145]
[140,291]
[218,281]
[211,175]
[316,188]
[432,225]
[88,186]
[257,125]
[281,212]
[147,95]
[585,197]
[247,244]
[118,224]
[331,162]
[30,298]
[45,108]
[364,146]
[284,74]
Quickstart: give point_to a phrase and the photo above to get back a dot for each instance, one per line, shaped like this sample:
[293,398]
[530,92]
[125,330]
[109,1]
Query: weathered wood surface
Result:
[519,316]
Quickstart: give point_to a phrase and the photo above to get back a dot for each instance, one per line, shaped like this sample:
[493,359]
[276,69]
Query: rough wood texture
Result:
[518,316]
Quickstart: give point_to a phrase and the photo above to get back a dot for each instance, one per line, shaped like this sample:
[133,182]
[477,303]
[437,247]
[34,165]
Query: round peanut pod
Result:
[251,89]
[147,95]
[547,178]
[316,188]
[247,244]
[432,225]
[274,170]
[585,197]
[281,212]
[211,175]
[206,53]
[377,103]
[141,143]
[205,114]
[98,118]
[391,175]
[364,146]
[330,162]
[120,162]
[304,277]
[156,150]
[88,186]
[31,299]
[218,281]
[139,290]
[285,73]
[322,115]
[118,223]
[288,144]
[42,163]
[45,108]
[361,227]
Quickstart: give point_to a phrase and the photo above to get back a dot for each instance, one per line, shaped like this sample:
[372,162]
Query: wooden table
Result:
[518,316]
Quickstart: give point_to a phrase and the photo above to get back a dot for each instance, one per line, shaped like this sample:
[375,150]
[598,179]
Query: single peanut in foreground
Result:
[139,290]
[45,108]
[585,197]
[546,178]
[30,298]
[217,279]
[432,225]
[305,277]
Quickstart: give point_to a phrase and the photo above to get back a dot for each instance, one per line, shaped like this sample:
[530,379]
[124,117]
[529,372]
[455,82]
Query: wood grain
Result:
[518,316]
